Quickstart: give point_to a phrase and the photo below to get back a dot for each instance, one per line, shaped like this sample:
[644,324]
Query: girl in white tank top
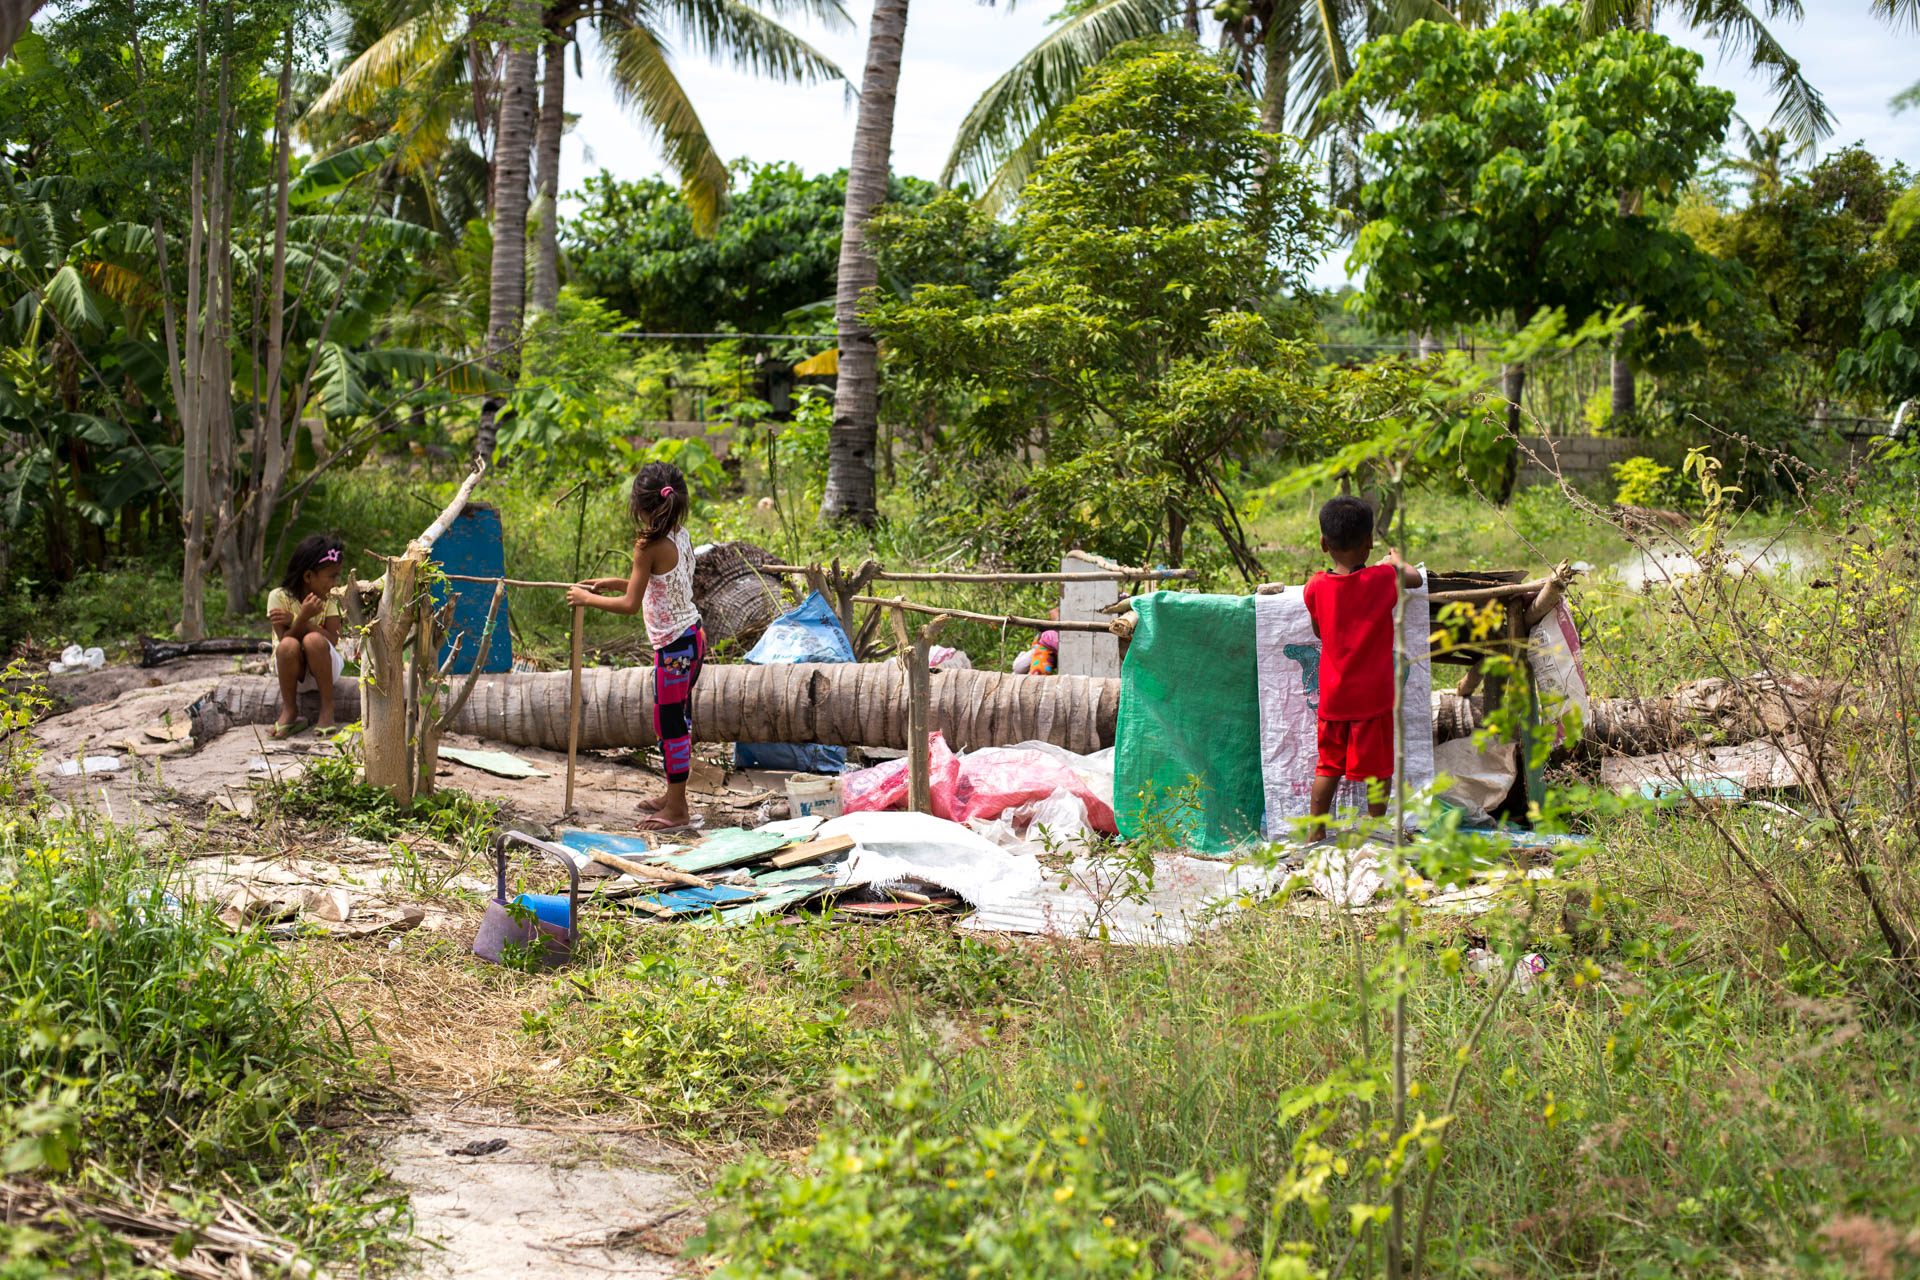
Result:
[661,587]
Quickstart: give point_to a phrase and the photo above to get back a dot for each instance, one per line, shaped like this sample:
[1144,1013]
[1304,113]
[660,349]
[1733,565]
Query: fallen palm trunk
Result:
[843,704]
[865,704]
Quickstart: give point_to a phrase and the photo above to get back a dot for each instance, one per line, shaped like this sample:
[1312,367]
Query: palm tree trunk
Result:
[1621,370]
[512,160]
[553,106]
[856,398]
[15,16]
[1273,97]
[1513,381]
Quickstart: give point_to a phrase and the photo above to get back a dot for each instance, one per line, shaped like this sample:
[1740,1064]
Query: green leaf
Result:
[331,175]
[71,302]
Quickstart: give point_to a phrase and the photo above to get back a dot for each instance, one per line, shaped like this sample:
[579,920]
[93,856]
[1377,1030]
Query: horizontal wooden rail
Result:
[1115,575]
[1036,624]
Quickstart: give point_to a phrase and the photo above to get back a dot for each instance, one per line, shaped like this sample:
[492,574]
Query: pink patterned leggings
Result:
[676,669]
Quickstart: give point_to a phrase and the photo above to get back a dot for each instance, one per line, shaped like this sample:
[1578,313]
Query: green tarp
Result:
[1190,712]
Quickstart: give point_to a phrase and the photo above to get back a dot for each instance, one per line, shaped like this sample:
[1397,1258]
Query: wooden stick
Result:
[1480,595]
[1037,624]
[648,870]
[1118,575]
[573,701]
[511,582]
[431,534]
[812,851]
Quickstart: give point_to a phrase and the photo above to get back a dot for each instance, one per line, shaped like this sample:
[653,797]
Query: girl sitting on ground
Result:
[306,631]
[662,586]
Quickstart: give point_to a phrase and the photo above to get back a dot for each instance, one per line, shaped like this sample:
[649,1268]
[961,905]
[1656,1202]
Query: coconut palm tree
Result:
[435,56]
[1290,55]
[851,443]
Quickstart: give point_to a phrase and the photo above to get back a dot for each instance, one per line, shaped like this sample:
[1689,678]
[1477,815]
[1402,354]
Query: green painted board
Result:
[794,889]
[727,847]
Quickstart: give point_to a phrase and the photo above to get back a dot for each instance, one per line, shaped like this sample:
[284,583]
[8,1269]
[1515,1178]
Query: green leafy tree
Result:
[774,251]
[1887,360]
[1499,191]
[1137,329]
[1816,247]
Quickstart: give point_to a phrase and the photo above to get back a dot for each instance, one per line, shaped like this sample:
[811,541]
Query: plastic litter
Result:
[918,849]
[91,764]
[809,632]
[811,794]
[74,658]
[1527,970]
[984,785]
[945,658]
[1480,779]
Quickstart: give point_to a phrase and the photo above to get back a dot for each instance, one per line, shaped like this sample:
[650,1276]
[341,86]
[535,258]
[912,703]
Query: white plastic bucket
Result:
[811,795]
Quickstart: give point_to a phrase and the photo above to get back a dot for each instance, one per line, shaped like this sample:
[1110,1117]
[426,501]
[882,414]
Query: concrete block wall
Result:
[1578,459]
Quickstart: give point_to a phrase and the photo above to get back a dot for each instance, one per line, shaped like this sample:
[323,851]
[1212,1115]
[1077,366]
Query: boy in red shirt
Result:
[1352,612]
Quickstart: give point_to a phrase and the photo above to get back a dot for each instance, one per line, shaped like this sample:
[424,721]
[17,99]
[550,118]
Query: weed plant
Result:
[144,1042]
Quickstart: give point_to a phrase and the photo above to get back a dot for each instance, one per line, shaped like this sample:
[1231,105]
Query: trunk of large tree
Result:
[1279,70]
[553,109]
[512,160]
[865,704]
[850,492]
[15,16]
[1513,381]
[1621,368]
[844,704]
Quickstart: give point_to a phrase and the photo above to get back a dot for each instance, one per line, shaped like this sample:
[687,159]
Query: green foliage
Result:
[22,701]
[1024,1200]
[1642,482]
[775,250]
[700,1045]
[135,1013]
[330,792]
[1499,192]
[1136,334]
[1887,360]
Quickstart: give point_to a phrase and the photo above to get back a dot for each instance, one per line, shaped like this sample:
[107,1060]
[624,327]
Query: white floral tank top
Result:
[668,605]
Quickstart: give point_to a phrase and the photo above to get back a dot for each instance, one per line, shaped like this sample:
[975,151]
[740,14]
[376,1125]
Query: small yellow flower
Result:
[952,1183]
[1107,1221]
[1062,1194]
[853,1164]
[988,1174]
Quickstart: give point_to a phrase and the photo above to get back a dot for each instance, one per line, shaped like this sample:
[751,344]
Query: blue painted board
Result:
[689,901]
[476,546]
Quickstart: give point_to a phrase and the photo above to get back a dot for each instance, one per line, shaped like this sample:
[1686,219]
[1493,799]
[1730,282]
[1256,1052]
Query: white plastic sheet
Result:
[1287,662]
[893,849]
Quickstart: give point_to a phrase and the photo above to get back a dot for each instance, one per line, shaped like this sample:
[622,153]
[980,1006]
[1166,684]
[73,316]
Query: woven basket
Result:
[735,600]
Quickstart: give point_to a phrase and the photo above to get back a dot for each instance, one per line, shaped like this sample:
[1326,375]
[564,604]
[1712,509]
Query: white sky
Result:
[956,48]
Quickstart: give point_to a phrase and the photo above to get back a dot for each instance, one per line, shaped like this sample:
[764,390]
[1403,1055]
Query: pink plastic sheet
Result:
[983,784]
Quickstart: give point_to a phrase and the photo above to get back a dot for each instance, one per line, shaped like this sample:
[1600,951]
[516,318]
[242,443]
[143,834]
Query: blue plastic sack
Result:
[809,632]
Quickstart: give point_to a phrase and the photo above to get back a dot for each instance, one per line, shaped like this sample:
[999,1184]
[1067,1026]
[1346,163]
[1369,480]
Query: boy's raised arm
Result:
[1409,576]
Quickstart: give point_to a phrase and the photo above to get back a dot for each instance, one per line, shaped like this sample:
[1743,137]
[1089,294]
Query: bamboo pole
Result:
[1480,595]
[1118,575]
[913,651]
[511,582]
[1037,624]
[573,700]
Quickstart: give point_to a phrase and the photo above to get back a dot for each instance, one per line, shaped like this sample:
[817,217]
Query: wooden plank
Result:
[811,851]
[728,847]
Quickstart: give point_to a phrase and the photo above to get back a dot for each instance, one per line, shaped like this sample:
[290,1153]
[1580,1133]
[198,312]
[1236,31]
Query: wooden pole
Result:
[573,700]
[1037,624]
[913,652]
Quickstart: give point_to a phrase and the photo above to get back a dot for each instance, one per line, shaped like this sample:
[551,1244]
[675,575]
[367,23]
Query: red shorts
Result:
[1356,749]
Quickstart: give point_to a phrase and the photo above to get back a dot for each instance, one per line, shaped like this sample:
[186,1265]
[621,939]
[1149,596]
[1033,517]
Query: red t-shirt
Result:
[1353,613]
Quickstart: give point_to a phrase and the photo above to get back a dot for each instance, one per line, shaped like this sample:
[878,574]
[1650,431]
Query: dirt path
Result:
[553,1202]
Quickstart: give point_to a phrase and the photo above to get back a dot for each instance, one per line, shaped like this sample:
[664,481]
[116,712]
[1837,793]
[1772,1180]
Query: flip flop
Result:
[326,733]
[654,822]
[281,732]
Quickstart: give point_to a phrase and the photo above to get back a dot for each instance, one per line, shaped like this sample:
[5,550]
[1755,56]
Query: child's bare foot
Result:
[667,818]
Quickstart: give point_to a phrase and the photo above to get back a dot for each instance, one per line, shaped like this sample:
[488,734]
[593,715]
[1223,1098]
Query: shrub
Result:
[135,1013]
[1023,1199]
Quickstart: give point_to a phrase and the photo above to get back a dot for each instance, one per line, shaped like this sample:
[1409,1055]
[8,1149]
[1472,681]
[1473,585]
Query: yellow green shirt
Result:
[281,598]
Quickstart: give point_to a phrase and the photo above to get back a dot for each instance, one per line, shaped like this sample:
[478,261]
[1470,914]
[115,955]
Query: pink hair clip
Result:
[666,491]
[331,556]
